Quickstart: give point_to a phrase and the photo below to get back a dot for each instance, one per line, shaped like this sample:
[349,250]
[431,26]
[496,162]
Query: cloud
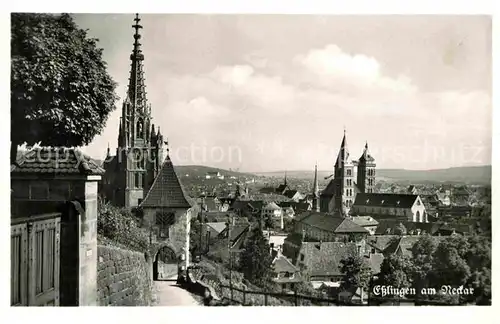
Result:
[332,67]
[305,106]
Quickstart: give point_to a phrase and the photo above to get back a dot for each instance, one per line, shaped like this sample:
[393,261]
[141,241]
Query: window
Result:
[164,220]
[138,180]
[302,257]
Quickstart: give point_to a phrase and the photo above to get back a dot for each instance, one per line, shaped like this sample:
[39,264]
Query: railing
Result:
[294,299]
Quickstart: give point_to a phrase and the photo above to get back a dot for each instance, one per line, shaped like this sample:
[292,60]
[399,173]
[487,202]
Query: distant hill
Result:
[472,175]
[201,171]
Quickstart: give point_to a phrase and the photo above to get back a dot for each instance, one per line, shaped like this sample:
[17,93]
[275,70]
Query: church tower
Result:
[139,152]
[366,172]
[343,178]
[315,193]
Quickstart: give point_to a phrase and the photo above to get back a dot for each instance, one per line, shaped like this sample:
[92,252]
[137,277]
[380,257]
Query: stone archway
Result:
[165,262]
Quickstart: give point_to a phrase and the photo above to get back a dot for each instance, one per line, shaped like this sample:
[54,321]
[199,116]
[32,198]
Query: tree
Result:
[400,229]
[394,271]
[61,93]
[478,258]
[421,268]
[449,263]
[256,260]
[356,273]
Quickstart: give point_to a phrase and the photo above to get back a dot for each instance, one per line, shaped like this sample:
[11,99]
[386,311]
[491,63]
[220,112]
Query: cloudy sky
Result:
[275,92]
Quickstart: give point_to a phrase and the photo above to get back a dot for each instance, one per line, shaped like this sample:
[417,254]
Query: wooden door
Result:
[19,264]
[44,262]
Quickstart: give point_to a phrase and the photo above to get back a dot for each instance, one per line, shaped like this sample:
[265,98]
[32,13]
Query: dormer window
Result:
[382,202]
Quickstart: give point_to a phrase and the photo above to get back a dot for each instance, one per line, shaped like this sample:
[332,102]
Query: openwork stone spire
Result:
[136,87]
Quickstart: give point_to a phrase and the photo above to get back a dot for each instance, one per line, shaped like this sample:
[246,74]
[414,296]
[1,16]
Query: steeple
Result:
[136,87]
[168,148]
[343,156]
[108,152]
[285,179]
[316,189]
[366,156]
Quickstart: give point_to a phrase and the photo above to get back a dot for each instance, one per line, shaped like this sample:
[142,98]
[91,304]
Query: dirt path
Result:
[169,294]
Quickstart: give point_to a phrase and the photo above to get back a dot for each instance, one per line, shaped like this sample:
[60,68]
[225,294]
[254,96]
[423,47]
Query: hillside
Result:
[475,174]
[201,171]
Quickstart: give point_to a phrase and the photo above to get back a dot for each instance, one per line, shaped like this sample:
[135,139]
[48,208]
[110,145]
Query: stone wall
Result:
[123,278]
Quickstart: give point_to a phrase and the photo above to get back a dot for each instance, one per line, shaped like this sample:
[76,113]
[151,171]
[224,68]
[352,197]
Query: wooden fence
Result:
[292,299]
[295,299]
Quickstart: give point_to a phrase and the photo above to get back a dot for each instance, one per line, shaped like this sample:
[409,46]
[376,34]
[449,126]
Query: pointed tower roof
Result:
[136,87]
[285,179]
[316,185]
[366,156]
[343,156]
[166,190]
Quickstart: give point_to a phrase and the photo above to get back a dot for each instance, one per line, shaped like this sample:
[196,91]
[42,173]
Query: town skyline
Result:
[267,104]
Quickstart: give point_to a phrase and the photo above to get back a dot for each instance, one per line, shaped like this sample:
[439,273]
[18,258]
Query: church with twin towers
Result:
[339,195]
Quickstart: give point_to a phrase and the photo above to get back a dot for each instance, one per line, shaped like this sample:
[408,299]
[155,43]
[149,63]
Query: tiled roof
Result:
[239,204]
[282,264]
[348,226]
[290,193]
[256,204]
[330,223]
[210,203]
[50,160]
[281,188]
[384,225]
[364,220]
[324,258]
[390,244]
[217,216]
[381,242]
[294,238]
[366,156]
[385,200]
[330,189]
[273,206]
[458,228]
[217,227]
[166,190]
[267,190]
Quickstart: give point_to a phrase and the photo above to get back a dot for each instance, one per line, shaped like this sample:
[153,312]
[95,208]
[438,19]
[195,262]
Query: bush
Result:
[119,225]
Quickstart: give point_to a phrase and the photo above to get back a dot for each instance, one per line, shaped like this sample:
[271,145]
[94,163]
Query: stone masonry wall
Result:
[123,278]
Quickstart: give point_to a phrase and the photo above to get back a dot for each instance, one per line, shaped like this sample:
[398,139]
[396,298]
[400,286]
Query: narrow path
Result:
[169,294]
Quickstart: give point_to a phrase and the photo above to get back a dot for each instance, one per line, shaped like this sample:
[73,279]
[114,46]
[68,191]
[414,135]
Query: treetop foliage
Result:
[61,92]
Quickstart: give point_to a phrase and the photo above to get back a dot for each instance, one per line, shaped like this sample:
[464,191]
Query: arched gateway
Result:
[165,262]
